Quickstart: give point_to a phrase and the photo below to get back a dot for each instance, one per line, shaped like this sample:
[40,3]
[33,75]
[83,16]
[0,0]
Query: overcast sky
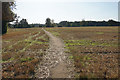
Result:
[36,11]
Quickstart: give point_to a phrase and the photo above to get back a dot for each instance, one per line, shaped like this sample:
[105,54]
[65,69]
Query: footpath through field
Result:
[56,63]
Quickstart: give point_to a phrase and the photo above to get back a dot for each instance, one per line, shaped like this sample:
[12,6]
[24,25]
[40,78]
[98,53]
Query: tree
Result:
[63,23]
[7,14]
[112,22]
[16,21]
[23,24]
[48,22]
[53,24]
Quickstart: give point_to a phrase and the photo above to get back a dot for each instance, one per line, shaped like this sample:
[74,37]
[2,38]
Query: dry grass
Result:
[94,50]
[22,52]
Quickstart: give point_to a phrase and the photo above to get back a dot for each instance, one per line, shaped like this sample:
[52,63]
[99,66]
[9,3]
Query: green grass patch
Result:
[86,43]
[25,59]
[38,42]
[70,57]
[34,41]
[77,76]
[86,58]
[7,41]
[55,33]
[100,33]
[67,51]
[48,29]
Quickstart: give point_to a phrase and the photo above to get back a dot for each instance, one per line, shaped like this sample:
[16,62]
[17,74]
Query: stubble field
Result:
[22,51]
[93,49]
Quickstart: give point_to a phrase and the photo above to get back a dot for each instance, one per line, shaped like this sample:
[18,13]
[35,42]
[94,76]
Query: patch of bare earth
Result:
[55,63]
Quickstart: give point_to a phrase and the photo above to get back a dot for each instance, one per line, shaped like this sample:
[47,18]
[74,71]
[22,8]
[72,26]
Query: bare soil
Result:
[55,63]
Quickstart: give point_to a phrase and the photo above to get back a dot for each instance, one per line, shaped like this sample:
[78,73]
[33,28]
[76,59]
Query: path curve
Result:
[56,63]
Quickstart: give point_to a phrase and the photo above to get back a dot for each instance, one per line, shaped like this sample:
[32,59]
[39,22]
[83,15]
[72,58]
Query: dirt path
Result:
[55,63]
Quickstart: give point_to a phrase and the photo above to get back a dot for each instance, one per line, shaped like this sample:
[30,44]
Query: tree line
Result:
[50,23]
[88,23]
[9,16]
[24,24]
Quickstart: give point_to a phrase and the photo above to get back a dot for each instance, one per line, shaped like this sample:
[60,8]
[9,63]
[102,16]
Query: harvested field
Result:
[93,49]
[22,51]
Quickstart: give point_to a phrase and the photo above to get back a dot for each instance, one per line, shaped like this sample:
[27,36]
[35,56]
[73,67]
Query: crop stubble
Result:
[22,51]
[94,50]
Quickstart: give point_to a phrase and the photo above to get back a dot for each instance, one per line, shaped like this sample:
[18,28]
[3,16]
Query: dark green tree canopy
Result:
[89,23]
[22,24]
[48,22]
[7,14]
